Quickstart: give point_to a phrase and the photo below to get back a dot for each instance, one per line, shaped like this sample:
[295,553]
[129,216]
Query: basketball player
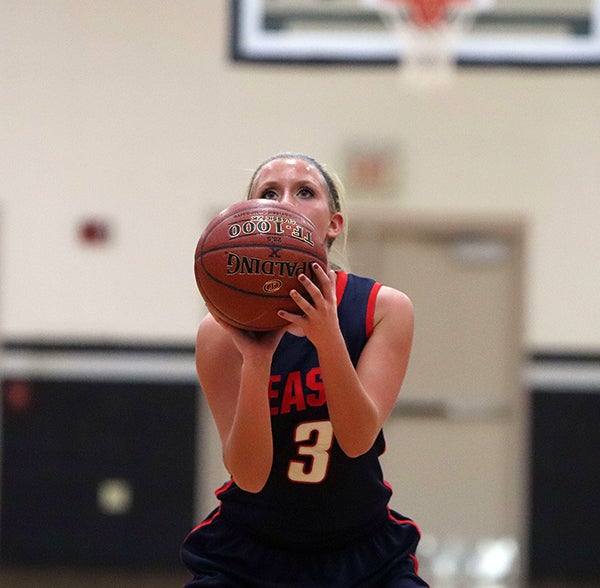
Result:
[300,413]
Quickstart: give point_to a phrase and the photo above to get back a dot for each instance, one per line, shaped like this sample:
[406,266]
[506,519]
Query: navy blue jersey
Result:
[315,493]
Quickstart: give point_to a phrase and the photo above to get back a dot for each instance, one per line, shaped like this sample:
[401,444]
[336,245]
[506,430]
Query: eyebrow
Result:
[297,183]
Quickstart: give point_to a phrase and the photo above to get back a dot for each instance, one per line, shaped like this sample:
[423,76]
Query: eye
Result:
[305,193]
[269,194]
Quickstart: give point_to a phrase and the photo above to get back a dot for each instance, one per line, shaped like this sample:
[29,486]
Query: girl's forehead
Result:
[285,167]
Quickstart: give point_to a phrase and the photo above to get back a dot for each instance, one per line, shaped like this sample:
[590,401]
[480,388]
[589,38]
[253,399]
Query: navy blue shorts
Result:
[219,555]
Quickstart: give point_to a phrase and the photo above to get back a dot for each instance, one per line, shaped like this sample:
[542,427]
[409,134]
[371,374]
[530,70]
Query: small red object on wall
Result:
[93,231]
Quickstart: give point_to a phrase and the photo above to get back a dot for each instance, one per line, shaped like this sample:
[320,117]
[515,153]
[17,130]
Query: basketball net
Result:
[428,33]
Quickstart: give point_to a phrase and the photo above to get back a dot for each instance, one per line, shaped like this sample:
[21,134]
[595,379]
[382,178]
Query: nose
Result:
[287,198]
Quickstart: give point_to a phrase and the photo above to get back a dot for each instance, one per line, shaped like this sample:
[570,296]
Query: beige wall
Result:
[131,110]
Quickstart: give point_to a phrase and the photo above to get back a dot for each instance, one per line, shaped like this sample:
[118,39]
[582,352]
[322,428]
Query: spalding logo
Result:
[272,286]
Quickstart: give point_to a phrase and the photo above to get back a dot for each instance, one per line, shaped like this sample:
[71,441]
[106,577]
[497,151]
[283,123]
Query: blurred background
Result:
[126,124]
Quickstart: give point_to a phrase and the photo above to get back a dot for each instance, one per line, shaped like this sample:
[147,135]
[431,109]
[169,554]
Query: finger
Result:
[320,284]
[289,316]
[302,303]
[325,277]
[309,285]
[319,273]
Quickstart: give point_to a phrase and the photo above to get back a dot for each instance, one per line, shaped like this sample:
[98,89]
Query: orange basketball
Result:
[248,259]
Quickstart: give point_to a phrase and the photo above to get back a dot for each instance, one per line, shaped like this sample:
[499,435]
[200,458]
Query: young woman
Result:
[300,413]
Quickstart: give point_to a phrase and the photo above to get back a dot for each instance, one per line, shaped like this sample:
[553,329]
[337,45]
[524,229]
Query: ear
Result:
[336,226]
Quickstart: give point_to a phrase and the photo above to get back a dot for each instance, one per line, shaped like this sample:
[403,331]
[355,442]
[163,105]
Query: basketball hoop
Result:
[428,33]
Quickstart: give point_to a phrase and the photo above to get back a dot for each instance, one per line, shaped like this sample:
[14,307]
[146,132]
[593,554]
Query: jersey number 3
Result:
[314,440]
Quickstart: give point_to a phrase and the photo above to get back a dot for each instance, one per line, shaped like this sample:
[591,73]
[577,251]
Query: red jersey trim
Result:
[206,522]
[340,285]
[413,524]
[217,512]
[403,521]
[340,288]
[371,308]
[223,488]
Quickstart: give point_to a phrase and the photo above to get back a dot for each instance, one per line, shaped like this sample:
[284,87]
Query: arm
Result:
[359,400]
[233,368]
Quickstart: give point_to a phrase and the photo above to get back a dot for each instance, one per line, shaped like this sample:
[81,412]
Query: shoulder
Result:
[388,300]
[213,342]
[391,298]
[209,330]
[394,307]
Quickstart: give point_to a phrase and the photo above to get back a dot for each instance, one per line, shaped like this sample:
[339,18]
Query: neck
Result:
[296,331]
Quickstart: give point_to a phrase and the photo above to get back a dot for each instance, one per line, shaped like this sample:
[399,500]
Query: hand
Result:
[251,343]
[319,309]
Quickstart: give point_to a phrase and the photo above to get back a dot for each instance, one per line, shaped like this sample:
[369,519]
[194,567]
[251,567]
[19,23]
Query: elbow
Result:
[250,484]
[353,454]
[249,477]
[358,440]
[355,447]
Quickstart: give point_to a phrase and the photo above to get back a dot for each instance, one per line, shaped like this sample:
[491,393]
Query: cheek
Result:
[324,226]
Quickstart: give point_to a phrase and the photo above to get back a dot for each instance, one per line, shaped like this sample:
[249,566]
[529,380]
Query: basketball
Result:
[248,259]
